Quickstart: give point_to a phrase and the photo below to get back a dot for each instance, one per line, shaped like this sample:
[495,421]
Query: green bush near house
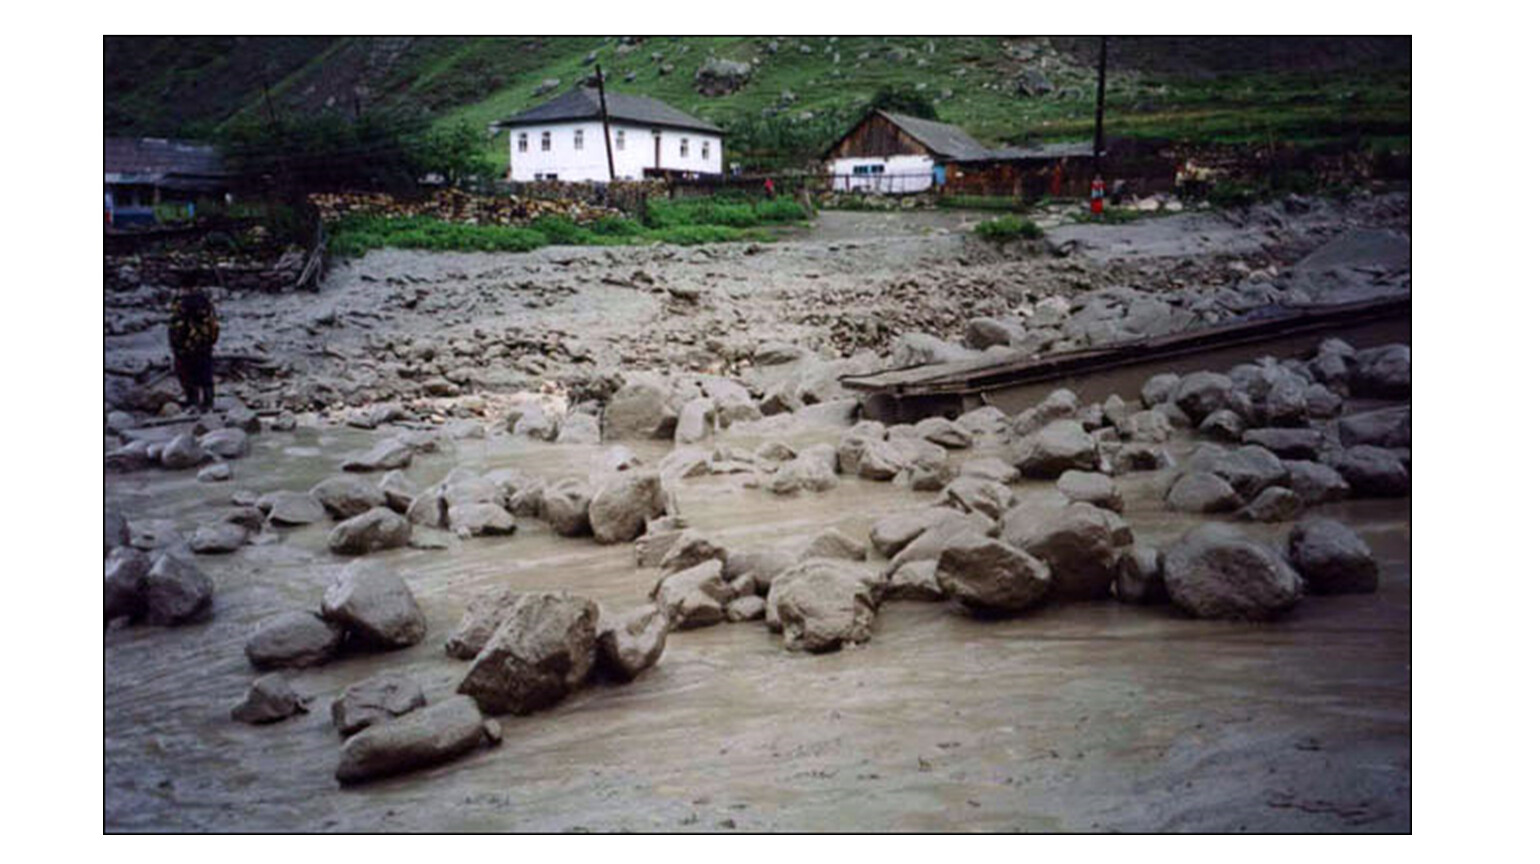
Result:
[1006,228]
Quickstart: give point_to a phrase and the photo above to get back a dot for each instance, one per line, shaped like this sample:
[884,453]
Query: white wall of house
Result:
[898,174]
[633,148]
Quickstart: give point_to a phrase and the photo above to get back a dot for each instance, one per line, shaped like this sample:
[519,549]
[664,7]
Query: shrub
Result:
[1007,228]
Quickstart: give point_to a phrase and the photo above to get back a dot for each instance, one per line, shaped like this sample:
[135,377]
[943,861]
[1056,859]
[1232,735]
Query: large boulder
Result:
[982,333]
[1061,404]
[294,640]
[375,700]
[985,420]
[929,543]
[564,505]
[920,349]
[689,549]
[1152,427]
[1332,559]
[371,531]
[620,510]
[943,432]
[579,428]
[427,736]
[1286,403]
[123,583]
[695,421]
[1248,470]
[990,468]
[812,471]
[1159,388]
[375,606]
[1202,492]
[693,597]
[269,699]
[383,456]
[823,605]
[640,409]
[537,423]
[1079,543]
[1273,504]
[1060,446]
[347,496]
[1216,572]
[986,575]
[176,592]
[1372,472]
[915,580]
[631,643]
[761,565]
[1384,372]
[539,655]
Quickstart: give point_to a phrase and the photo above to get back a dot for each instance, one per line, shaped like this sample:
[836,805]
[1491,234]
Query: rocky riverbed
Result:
[1013,707]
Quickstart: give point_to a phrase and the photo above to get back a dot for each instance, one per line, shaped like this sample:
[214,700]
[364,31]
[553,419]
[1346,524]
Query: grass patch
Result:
[1007,228]
[733,211]
[357,234]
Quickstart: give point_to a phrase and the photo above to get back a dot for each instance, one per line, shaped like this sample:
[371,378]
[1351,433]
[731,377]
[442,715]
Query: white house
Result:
[563,139]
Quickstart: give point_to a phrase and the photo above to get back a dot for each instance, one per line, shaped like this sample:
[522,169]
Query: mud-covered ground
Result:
[1079,717]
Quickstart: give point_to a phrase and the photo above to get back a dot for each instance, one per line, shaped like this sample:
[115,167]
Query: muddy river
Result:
[1086,717]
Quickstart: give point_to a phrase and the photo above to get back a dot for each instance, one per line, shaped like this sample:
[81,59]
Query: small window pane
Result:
[684,147]
[577,139]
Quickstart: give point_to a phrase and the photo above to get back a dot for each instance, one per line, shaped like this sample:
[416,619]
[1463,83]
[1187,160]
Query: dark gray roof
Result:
[155,159]
[582,103]
[942,139]
[1041,151]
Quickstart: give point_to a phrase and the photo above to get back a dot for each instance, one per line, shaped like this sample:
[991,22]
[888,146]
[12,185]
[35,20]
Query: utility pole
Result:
[1101,100]
[604,116]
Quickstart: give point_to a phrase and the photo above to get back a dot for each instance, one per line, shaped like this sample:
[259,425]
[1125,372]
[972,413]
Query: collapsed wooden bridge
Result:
[914,392]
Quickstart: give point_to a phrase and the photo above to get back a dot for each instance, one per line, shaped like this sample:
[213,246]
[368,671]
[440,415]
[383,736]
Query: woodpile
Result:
[452,205]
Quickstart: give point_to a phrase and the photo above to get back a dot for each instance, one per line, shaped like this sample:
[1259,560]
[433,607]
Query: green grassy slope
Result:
[1228,89]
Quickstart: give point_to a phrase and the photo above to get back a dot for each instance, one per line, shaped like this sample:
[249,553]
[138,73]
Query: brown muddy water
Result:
[1086,717]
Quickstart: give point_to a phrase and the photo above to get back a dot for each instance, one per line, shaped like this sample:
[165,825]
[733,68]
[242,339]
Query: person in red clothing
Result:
[769,188]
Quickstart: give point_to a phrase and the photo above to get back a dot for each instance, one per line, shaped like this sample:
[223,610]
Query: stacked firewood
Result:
[452,205]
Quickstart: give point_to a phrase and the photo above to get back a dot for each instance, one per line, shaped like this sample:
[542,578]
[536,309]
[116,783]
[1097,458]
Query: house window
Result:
[620,139]
[539,177]
[545,141]
[705,149]
[684,148]
[577,139]
[863,170]
[523,142]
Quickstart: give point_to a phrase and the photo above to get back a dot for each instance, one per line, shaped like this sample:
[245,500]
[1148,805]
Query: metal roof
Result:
[152,160]
[1041,151]
[582,103]
[942,139]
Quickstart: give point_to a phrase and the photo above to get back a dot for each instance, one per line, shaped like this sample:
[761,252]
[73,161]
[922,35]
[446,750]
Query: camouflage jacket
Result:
[193,324]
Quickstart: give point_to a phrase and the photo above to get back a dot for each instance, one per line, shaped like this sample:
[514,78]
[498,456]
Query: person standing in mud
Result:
[194,329]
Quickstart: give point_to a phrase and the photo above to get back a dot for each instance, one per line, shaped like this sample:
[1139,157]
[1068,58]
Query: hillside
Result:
[802,90]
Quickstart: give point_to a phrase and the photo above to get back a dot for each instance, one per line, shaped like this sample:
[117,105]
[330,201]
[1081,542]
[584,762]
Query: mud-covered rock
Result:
[986,575]
[640,409]
[1387,427]
[1372,472]
[1159,388]
[1383,372]
[690,549]
[293,640]
[375,607]
[123,583]
[915,580]
[1092,488]
[1287,443]
[485,613]
[375,700]
[976,495]
[1202,492]
[1079,543]
[632,642]
[383,456]
[370,531]
[1201,394]
[1215,572]
[1141,577]
[833,543]
[693,597]
[1315,483]
[182,451]
[347,496]
[564,505]
[541,653]
[217,538]
[226,443]
[1332,559]
[286,508]
[480,519]
[1273,504]
[1062,445]
[428,736]
[620,510]
[176,592]
[823,605]
[269,699]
